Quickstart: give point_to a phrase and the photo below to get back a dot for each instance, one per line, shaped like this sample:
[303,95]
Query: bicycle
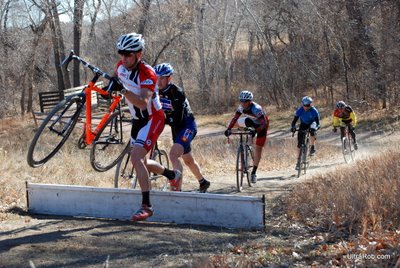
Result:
[125,174]
[109,139]
[244,152]
[348,149]
[304,158]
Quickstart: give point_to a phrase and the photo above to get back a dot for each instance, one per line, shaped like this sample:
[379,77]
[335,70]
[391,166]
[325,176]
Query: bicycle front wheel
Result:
[240,168]
[346,149]
[125,176]
[352,151]
[249,163]
[306,158]
[110,144]
[54,131]
[159,182]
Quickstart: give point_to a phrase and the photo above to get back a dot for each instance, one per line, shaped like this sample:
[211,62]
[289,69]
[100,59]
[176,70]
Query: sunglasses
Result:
[308,105]
[125,53]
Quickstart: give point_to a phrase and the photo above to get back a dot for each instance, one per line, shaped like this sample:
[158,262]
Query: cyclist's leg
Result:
[352,133]
[182,138]
[313,136]
[144,136]
[342,132]
[258,148]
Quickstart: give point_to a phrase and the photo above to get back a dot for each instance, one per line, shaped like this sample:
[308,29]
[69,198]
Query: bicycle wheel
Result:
[159,182]
[249,163]
[300,161]
[240,168]
[352,151]
[54,131]
[125,176]
[346,149]
[306,158]
[110,144]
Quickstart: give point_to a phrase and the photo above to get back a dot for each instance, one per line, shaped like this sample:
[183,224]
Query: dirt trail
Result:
[38,241]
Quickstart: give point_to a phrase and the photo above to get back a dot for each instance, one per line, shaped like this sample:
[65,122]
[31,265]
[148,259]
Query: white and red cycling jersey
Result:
[147,124]
[143,77]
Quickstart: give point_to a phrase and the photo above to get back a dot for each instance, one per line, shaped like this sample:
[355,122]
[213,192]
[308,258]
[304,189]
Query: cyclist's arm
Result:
[140,100]
[178,105]
[234,119]
[295,118]
[335,118]
[353,118]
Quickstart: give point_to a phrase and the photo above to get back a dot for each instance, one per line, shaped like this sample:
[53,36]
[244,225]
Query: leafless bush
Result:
[362,197]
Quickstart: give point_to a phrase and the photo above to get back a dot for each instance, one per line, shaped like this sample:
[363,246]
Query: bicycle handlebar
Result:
[241,131]
[94,69]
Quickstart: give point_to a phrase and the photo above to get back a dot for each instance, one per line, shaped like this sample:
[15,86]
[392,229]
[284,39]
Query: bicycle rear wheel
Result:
[125,176]
[160,182]
[110,144]
[240,168]
[54,131]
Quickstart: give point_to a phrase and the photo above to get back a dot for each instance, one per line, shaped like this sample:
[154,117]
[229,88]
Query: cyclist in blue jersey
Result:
[180,117]
[309,119]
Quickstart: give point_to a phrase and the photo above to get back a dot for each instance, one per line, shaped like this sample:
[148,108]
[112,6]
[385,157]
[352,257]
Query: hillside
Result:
[289,239]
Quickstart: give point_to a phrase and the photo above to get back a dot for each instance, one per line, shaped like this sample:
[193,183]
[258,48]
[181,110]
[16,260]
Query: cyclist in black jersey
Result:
[182,122]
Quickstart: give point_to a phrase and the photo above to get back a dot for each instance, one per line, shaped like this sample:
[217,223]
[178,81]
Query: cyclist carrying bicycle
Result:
[344,116]
[309,120]
[255,117]
[180,118]
[136,80]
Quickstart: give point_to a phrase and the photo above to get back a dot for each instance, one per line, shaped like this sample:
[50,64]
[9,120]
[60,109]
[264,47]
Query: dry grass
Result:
[360,198]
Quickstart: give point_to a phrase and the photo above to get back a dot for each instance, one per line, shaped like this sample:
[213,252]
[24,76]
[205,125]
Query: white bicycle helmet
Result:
[340,104]
[164,69]
[245,95]
[306,100]
[131,42]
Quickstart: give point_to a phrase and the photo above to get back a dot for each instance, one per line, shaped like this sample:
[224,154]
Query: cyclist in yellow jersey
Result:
[344,116]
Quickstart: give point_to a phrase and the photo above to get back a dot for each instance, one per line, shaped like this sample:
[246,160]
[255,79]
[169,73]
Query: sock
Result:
[146,198]
[202,181]
[254,170]
[170,174]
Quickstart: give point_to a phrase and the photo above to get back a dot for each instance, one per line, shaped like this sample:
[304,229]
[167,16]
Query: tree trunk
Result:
[364,41]
[58,46]
[78,18]
[145,14]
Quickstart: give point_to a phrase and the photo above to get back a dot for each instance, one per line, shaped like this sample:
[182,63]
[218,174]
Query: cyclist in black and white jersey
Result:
[180,117]
[253,116]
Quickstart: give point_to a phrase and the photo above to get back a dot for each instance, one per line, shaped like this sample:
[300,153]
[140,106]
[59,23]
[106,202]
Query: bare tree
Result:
[78,20]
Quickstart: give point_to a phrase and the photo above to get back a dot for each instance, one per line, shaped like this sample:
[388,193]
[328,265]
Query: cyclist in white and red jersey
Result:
[137,81]
[255,117]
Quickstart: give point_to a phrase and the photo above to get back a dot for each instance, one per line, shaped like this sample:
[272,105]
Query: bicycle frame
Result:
[302,160]
[155,154]
[244,152]
[88,134]
[347,149]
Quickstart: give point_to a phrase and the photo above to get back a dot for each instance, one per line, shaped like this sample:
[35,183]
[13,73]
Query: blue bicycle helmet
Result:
[164,69]
[306,100]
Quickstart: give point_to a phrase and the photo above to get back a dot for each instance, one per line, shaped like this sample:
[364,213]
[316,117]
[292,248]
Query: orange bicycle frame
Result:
[89,135]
